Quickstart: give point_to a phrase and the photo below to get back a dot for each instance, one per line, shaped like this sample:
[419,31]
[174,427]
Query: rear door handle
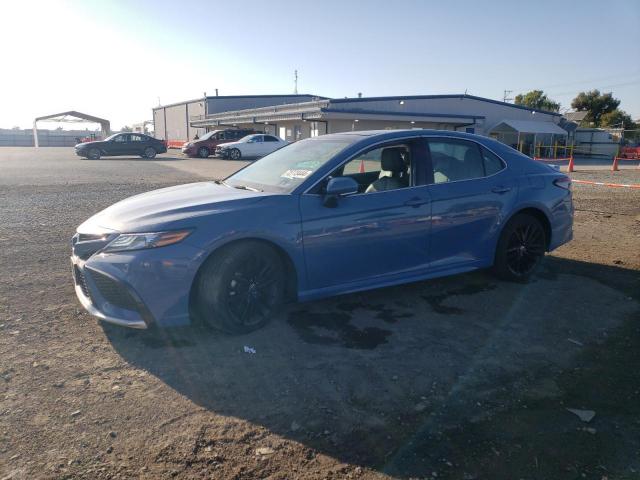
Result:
[501,189]
[415,202]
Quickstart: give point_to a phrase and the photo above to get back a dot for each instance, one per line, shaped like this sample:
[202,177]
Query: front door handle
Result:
[501,189]
[415,202]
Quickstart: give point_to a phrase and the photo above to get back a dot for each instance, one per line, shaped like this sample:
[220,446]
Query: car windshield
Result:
[283,170]
[208,135]
[111,137]
[247,138]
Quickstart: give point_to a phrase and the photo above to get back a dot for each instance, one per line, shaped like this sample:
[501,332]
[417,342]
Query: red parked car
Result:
[630,152]
[206,145]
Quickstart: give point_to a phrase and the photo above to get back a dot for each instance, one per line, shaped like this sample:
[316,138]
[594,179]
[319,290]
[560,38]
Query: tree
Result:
[537,99]
[617,118]
[596,104]
[126,128]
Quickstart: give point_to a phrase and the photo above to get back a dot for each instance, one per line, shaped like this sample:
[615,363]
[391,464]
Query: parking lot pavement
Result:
[464,377]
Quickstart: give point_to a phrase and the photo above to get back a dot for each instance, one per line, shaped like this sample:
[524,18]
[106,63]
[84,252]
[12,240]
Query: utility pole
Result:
[506,98]
[295,82]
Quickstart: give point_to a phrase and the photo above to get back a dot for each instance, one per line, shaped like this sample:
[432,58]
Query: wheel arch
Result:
[291,273]
[540,215]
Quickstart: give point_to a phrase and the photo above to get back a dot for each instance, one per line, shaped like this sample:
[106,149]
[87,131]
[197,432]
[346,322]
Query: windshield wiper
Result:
[239,187]
[244,187]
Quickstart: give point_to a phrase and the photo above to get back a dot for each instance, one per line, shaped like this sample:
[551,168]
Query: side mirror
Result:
[339,187]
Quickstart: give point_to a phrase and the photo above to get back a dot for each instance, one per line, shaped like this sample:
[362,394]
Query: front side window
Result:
[454,160]
[269,138]
[286,168]
[380,169]
[120,138]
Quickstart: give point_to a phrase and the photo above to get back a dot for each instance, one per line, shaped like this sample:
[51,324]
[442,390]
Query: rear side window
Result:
[492,164]
[454,160]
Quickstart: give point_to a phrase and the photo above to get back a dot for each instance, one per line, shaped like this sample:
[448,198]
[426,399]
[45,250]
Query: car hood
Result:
[95,143]
[170,208]
[230,144]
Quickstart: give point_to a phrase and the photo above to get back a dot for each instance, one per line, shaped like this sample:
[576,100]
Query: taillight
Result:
[563,182]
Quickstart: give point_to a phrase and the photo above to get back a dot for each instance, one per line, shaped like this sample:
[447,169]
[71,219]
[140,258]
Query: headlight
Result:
[138,241]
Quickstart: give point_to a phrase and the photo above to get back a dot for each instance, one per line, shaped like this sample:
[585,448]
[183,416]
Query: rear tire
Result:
[240,288]
[149,152]
[235,154]
[94,154]
[520,249]
[203,152]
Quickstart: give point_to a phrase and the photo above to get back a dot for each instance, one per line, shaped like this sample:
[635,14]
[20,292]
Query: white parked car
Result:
[251,146]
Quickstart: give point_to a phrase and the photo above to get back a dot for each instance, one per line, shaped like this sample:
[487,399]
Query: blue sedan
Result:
[323,216]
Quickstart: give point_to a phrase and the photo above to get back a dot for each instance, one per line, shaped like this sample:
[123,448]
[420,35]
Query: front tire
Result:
[203,152]
[94,154]
[235,154]
[240,288]
[520,249]
[149,152]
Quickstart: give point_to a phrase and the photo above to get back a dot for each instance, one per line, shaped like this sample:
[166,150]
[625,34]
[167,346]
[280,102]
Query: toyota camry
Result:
[323,216]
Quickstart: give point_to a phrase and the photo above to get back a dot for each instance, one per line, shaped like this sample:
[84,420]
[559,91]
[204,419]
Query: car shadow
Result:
[382,378]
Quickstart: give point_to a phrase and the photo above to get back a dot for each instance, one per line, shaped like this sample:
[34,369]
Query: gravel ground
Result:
[462,378]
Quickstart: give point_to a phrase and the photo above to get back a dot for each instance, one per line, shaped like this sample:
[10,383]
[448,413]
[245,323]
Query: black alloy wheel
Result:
[240,288]
[521,247]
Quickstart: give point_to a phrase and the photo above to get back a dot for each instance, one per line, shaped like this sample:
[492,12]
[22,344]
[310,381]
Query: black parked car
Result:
[122,144]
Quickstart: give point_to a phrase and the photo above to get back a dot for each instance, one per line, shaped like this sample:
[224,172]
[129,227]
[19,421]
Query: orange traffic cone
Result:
[614,167]
[570,166]
[361,166]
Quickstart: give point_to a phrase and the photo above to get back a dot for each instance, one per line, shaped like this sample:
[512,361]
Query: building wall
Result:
[232,103]
[336,126]
[179,115]
[158,123]
[177,118]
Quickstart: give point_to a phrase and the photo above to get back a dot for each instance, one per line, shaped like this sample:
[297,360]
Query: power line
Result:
[601,87]
[578,82]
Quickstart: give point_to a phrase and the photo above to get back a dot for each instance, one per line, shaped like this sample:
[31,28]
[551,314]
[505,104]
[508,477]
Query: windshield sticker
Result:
[297,173]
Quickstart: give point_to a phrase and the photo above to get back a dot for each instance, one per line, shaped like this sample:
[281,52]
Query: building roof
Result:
[532,126]
[575,116]
[459,96]
[227,97]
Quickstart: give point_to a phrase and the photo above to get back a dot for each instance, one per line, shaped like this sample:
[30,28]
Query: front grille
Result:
[113,292]
[81,281]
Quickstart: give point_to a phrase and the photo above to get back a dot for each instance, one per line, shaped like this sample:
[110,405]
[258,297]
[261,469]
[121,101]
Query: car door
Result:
[270,144]
[472,192]
[137,143]
[372,236]
[254,147]
[119,145]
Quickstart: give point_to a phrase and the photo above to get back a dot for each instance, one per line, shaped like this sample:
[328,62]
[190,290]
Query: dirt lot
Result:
[462,378]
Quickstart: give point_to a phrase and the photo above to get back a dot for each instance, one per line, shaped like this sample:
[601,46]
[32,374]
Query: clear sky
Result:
[114,59]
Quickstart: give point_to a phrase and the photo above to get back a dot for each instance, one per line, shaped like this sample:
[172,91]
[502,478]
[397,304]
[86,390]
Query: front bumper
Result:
[114,303]
[136,289]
